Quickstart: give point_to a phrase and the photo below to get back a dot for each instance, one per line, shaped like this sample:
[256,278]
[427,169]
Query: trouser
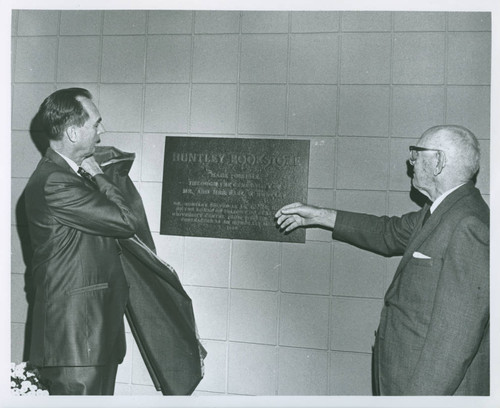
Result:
[92,380]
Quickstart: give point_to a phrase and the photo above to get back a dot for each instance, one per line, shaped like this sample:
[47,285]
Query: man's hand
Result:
[90,165]
[297,215]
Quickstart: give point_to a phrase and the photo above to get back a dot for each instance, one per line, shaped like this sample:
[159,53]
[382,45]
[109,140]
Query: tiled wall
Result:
[361,86]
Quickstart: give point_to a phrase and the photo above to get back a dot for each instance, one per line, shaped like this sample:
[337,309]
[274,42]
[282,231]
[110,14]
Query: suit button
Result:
[386,303]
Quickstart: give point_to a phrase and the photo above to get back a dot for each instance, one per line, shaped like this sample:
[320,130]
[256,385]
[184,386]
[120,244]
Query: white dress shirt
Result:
[72,164]
[440,199]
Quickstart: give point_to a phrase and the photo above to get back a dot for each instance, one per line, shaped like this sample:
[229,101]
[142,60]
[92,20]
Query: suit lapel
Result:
[52,156]
[423,232]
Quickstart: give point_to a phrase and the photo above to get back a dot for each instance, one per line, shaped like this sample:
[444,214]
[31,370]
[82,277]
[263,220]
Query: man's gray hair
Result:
[463,147]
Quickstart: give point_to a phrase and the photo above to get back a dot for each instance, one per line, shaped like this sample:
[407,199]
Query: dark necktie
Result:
[85,174]
[427,215]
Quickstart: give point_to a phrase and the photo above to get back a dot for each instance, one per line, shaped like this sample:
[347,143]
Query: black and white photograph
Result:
[236,204]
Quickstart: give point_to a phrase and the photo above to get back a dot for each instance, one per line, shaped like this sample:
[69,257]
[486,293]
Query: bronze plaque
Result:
[231,188]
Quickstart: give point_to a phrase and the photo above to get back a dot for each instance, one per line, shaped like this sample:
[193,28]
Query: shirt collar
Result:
[440,199]
[71,163]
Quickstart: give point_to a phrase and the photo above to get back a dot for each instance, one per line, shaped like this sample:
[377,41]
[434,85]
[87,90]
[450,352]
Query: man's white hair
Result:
[461,147]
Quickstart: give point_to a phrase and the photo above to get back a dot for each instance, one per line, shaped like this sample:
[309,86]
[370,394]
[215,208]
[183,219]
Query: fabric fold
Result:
[159,311]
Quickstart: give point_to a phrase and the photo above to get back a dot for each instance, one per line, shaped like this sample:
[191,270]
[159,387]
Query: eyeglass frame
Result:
[419,149]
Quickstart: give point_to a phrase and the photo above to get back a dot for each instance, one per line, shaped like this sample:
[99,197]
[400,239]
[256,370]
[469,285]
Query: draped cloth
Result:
[159,311]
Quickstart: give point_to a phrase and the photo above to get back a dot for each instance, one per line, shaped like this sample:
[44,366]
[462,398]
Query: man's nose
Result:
[101,129]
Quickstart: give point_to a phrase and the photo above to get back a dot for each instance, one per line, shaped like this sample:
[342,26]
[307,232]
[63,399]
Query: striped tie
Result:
[85,174]
[427,215]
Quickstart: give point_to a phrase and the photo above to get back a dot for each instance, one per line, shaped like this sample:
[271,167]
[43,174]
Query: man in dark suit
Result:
[433,336]
[76,214]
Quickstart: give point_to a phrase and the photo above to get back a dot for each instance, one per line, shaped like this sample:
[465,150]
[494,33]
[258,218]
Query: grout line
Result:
[191,69]
[238,77]
[445,74]
[144,90]
[101,54]
[391,110]
[287,74]
[58,45]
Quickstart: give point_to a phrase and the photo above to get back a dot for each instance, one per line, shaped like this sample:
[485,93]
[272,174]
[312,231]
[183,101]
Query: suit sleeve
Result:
[384,235]
[460,314]
[101,211]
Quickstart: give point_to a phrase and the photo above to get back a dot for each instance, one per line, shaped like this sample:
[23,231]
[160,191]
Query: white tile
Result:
[210,307]
[81,22]
[306,268]
[35,59]
[350,374]
[170,21]
[365,58]
[206,262]
[213,22]
[262,109]
[255,265]
[252,369]
[312,110]
[166,108]
[475,48]
[123,59]
[364,110]
[38,22]
[24,153]
[26,99]
[304,321]
[358,273]
[168,58]
[79,59]
[263,58]
[215,58]
[124,22]
[18,298]
[264,22]
[303,372]
[253,316]
[121,107]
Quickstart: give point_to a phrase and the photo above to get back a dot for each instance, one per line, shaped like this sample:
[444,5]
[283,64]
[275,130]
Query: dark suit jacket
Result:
[80,288]
[433,337]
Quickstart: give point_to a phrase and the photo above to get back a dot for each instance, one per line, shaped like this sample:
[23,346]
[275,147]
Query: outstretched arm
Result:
[297,215]
[383,235]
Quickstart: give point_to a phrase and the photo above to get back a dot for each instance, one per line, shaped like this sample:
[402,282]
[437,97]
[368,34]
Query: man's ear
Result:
[71,134]
[441,162]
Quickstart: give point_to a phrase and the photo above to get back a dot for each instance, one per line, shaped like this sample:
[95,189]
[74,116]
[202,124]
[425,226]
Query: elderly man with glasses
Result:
[433,336]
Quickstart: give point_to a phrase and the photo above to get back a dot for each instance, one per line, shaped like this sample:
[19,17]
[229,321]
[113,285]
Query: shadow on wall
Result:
[38,136]
[416,196]
[41,142]
[27,252]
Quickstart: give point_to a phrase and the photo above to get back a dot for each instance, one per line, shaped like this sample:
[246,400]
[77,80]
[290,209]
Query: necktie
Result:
[85,174]
[427,215]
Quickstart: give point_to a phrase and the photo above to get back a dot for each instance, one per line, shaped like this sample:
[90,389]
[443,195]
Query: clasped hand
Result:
[90,165]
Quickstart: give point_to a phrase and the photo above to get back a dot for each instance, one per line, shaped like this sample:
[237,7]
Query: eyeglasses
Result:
[414,154]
